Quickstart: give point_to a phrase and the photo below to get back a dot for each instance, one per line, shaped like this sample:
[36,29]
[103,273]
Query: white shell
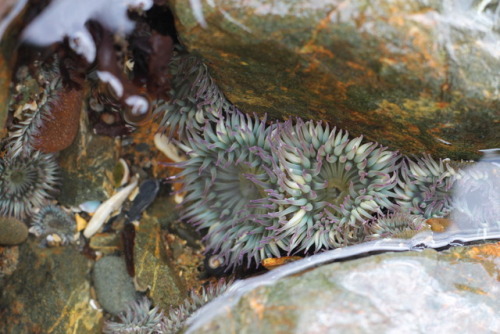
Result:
[168,148]
[105,209]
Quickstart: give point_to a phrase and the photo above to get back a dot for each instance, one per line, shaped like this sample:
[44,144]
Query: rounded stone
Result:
[114,287]
[12,231]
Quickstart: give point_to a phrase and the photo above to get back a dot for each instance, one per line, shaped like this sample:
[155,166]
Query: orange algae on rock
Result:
[60,129]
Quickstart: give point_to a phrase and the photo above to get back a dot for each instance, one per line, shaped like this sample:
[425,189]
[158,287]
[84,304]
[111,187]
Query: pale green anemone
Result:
[333,184]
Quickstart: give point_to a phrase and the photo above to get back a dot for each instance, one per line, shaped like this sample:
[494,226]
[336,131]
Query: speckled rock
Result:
[152,268]
[49,292]
[419,75]
[114,287]
[449,292]
[12,231]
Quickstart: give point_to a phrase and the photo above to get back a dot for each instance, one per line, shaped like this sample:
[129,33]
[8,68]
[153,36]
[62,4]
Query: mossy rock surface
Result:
[416,76]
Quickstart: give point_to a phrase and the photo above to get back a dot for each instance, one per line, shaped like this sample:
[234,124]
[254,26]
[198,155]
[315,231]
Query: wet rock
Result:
[152,268]
[452,291]
[12,231]
[87,166]
[48,293]
[413,76]
[114,287]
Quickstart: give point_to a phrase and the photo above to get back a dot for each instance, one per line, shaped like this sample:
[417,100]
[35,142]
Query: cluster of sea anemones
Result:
[263,190]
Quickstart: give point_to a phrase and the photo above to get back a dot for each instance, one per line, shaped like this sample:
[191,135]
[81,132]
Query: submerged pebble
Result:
[12,231]
[114,287]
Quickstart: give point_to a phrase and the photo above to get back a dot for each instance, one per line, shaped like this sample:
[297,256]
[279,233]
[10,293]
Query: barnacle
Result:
[227,179]
[177,316]
[138,318]
[52,220]
[397,224]
[194,97]
[424,186]
[26,183]
[333,184]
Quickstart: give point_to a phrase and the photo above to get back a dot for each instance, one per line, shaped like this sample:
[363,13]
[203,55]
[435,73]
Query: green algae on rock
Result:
[413,76]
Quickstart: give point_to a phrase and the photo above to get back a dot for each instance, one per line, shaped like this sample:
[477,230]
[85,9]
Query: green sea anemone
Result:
[397,224]
[138,318]
[26,183]
[227,180]
[52,220]
[425,185]
[333,184]
[194,97]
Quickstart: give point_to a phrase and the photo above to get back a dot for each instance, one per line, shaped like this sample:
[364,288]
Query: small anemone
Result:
[333,184]
[176,318]
[194,97]
[52,220]
[424,186]
[397,224]
[26,183]
[227,179]
[138,318]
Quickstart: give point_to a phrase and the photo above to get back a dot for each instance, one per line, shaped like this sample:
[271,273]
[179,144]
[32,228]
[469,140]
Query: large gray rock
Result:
[415,292]
[414,75]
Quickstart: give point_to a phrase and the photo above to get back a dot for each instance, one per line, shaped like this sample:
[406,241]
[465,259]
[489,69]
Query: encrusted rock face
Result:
[416,76]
